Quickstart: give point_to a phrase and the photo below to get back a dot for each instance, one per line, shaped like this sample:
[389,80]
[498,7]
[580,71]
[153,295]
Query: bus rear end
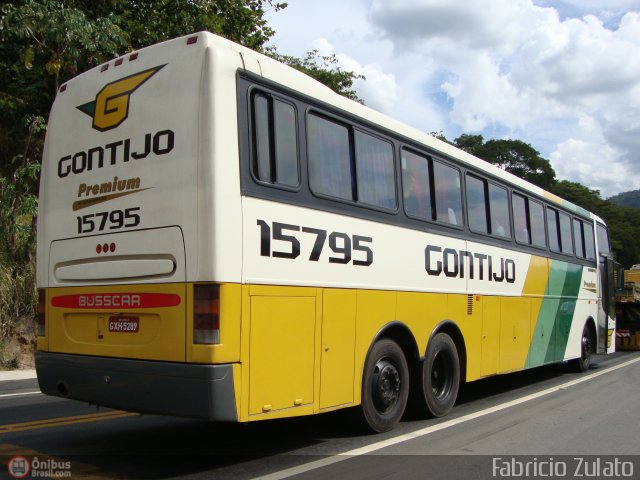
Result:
[117,236]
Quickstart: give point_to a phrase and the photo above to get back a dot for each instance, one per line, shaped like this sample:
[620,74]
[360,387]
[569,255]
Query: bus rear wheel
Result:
[385,386]
[440,375]
[582,364]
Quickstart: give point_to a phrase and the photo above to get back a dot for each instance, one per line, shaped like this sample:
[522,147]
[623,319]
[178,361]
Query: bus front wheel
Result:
[385,386]
[440,375]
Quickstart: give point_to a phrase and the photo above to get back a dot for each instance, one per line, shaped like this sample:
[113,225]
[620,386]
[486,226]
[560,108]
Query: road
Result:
[555,418]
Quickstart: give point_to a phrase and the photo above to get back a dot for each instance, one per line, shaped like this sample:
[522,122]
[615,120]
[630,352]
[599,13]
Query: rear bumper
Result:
[186,390]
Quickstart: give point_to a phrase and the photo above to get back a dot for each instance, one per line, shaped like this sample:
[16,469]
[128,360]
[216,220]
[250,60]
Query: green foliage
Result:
[155,21]
[18,295]
[627,199]
[42,44]
[623,222]
[525,162]
[325,69]
[514,156]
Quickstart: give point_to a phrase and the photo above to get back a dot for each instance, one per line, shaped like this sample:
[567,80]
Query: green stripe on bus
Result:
[551,334]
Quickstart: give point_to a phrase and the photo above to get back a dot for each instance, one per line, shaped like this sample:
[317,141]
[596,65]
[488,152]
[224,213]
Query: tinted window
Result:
[589,242]
[578,238]
[520,218]
[603,239]
[262,168]
[286,144]
[476,205]
[553,230]
[499,211]
[330,171]
[536,222]
[566,244]
[415,185]
[375,171]
[448,194]
[275,143]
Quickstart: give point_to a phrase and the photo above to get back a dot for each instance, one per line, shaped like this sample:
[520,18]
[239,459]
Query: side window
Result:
[589,241]
[520,219]
[528,221]
[553,229]
[499,211]
[375,171]
[536,217]
[566,244]
[488,207]
[447,193]
[330,160]
[578,238]
[416,185]
[476,205]
[603,239]
[275,141]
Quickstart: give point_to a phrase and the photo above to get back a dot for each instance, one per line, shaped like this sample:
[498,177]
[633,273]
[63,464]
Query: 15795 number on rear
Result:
[113,220]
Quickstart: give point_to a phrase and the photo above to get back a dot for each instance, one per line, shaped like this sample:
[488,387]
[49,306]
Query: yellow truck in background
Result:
[628,310]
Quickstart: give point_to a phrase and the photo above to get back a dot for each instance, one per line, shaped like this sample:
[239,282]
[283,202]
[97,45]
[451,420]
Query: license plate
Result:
[120,324]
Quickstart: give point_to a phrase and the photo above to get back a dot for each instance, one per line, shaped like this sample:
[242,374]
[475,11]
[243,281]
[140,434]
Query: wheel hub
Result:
[386,385]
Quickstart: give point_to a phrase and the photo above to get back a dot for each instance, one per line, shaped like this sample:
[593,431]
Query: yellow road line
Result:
[58,422]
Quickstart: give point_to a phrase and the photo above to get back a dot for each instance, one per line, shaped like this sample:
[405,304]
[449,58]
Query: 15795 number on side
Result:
[354,249]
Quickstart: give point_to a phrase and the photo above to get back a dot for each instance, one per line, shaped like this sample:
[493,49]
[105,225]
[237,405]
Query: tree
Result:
[155,21]
[325,69]
[43,44]
[514,156]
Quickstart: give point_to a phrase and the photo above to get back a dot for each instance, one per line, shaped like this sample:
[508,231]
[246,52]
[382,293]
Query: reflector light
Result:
[206,314]
[119,61]
[133,56]
[104,67]
[192,40]
[63,88]
[40,313]
[105,248]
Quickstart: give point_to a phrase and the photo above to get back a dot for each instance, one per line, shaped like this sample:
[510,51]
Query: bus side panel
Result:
[282,344]
[338,343]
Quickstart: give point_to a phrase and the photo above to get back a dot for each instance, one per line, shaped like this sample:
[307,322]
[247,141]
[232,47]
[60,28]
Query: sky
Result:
[561,75]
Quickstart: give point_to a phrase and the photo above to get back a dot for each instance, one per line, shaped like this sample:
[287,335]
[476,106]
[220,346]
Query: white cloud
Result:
[562,75]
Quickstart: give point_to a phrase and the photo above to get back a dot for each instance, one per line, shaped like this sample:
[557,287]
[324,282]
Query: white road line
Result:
[5,395]
[289,472]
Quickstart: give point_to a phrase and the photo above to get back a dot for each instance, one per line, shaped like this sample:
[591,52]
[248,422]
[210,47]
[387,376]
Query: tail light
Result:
[40,317]
[206,314]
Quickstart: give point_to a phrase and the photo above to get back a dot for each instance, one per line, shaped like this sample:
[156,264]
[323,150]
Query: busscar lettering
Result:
[463,264]
[121,151]
[120,300]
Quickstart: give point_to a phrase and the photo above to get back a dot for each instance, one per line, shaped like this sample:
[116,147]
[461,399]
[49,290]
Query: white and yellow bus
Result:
[223,237]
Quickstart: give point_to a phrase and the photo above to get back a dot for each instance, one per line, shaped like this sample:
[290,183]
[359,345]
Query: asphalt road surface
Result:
[544,423]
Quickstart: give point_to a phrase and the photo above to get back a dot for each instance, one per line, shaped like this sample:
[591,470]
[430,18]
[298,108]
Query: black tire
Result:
[582,363]
[385,386]
[440,375]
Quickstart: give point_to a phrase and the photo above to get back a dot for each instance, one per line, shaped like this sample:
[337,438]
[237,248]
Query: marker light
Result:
[206,314]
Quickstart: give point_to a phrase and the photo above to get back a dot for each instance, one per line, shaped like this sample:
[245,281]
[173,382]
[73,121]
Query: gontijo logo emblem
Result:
[111,106]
